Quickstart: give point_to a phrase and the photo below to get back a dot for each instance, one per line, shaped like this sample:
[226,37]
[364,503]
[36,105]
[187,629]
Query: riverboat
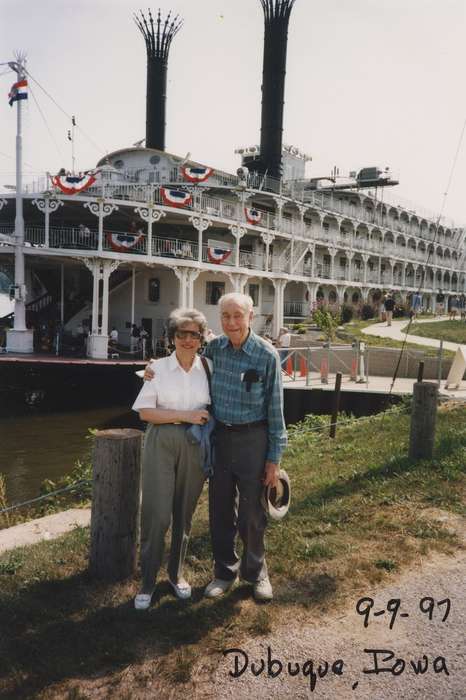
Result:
[146,230]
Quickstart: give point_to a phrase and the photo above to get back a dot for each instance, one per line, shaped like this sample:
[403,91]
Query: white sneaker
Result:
[143,601]
[218,587]
[182,589]
[263,590]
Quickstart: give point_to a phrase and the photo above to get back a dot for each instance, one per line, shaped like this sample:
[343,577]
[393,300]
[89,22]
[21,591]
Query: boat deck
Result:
[48,359]
[376,385]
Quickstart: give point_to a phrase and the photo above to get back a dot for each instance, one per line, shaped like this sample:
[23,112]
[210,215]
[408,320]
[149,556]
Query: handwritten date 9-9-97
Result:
[427,606]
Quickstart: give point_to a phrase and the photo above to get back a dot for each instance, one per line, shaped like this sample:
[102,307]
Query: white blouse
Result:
[173,388]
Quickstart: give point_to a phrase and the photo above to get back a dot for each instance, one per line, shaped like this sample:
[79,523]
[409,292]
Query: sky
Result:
[369,82]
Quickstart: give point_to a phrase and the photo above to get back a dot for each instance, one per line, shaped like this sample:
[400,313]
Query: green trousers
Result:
[172,481]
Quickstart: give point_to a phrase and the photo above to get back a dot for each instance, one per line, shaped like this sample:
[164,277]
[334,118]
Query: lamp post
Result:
[19,338]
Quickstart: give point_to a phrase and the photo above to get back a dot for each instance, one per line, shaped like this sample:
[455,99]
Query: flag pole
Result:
[19,338]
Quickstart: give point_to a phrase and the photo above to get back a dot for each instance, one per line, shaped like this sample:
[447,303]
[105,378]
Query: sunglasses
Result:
[182,335]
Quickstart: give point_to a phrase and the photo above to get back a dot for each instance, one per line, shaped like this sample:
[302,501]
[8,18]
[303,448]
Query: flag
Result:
[19,91]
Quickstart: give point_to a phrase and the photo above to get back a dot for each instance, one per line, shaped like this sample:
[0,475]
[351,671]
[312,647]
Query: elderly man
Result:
[249,438]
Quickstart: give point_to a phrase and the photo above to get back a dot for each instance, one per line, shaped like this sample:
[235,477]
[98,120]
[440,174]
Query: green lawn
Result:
[354,330]
[361,511]
[454,331]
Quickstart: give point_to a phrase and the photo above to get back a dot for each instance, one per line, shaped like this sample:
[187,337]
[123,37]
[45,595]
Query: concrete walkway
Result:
[395,331]
[47,528]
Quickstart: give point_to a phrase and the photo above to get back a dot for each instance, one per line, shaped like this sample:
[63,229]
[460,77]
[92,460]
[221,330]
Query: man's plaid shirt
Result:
[233,403]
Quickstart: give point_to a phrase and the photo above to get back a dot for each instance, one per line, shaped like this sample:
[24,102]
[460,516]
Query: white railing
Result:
[175,248]
[228,209]
[77,239]
[296,308]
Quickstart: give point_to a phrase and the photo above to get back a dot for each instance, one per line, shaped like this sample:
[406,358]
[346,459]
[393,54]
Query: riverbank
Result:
[361,514]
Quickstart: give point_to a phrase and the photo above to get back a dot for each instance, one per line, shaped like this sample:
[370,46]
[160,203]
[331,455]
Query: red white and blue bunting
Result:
[123,242]
[217,255]
[253,216]
[175,198]
[196,174]
[72,184]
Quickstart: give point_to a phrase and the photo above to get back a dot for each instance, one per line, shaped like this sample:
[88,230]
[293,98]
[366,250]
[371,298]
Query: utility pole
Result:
[19,339]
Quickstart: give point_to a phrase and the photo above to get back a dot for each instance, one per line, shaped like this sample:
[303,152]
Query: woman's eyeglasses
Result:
[182,335]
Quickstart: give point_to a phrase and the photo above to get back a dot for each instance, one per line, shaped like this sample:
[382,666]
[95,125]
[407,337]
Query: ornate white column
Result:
[47,206]
[238,281]
[238,232]
[101,209]
[200,223]
[302,210]
[392,278]
[279,203]
[380,271]
[267,238]
[403,274]
[133,293]
[101,270]
[313,260]
[109,266]
[182,274]
[332,253]
[365,260]
[349,256]
[191,276]
[278,305]
[150,215]
[312,288]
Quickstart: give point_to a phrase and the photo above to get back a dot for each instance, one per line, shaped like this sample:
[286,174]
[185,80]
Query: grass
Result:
[354,330]
[360,511]
[454,331]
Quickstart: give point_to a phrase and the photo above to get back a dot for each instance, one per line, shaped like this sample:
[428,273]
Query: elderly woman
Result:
[173,476]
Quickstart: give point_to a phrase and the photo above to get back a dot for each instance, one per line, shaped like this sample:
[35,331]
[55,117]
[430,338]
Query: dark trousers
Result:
[235,502]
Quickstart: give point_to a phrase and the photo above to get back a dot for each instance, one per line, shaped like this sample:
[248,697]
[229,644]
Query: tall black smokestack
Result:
[276,19]
[158,36]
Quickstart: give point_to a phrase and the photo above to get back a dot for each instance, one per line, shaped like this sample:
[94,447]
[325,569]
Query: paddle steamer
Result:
[146,230]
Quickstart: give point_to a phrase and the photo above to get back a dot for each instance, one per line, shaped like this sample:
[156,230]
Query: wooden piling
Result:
[115,503]
[423,420]
[336,406]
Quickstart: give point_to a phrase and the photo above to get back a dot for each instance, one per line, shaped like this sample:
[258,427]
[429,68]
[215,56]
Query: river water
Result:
[38,446]
[41,445]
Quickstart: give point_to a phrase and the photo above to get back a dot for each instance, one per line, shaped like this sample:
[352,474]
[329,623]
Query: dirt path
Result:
[346,638]
[343,636]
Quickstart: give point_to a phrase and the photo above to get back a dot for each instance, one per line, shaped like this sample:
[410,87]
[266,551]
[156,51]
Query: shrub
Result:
[347,313]
[400,310]
[367,312]
[326,322]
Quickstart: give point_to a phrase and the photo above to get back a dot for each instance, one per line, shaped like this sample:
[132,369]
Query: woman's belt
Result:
[240,426]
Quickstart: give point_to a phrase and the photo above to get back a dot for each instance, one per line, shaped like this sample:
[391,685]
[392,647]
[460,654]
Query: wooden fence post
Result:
[336,406]
[423,420]
[115,503]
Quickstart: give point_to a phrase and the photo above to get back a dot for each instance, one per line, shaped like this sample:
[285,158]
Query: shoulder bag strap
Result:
[207,371]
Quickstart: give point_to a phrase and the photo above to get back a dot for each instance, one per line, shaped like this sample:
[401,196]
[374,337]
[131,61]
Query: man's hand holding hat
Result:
[271,474]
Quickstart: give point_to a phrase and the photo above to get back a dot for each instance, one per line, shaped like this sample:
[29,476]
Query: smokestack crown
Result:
[158,36]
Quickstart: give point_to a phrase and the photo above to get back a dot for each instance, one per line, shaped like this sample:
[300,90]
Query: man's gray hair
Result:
[243,300]
[180,317]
